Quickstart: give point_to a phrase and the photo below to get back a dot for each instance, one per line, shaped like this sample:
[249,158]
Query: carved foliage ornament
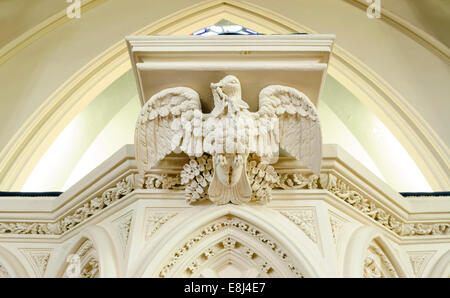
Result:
[4,272]
[343,191]
[38,259]
[229,243]
[285,181]
[305,220]
[377,264]
[69,221]
[84,263]
[172,121]
[198,174]
[257,265]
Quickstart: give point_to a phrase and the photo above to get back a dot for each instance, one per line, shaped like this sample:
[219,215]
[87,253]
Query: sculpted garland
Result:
[69,221]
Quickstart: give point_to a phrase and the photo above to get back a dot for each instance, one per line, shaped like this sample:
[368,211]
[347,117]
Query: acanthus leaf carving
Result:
[377,264]
[344,192]
[123,225]
[155,219]
[80,214]
[38,259]
[91,269]
[305,220]
[419,260]
[336,226]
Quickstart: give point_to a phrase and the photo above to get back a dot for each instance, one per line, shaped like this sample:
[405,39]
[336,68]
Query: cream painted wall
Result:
[118,132]
[107,124]
[44,65]
[68,149]
[431,16]
[416,73]
[47,63]
[25,14]
[391,158]
[335,132]
[419,75]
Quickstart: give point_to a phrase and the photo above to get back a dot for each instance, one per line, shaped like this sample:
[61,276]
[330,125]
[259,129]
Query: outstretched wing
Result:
[299,127]
[170,120]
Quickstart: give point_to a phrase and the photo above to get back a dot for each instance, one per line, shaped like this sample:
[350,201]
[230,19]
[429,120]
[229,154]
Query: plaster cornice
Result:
[117,178]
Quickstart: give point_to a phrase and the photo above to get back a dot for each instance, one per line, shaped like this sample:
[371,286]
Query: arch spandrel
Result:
[95,251]
[85,257]
[231,250]
[369,254]
[10,265]
[264,231]
[440,268]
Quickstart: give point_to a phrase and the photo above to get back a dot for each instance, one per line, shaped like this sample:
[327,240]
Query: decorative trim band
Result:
[285,181]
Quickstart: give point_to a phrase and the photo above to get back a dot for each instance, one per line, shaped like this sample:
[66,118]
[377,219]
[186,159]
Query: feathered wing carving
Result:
[299,127]
[170,120]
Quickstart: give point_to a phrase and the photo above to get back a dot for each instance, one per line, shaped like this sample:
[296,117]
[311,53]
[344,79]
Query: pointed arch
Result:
[107,252]
[102,246]
[232,247]
[441,268]
[357,247]
[164,244]
[81,246]
[23,152]
[12,264]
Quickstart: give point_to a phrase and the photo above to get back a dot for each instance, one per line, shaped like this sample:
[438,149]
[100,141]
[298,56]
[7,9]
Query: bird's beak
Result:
[216,85]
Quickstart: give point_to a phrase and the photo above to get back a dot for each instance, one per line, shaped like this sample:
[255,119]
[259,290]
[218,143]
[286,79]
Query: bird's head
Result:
[230,86]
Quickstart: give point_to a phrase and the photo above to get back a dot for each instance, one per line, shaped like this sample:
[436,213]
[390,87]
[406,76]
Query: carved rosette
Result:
[204,263]
[90,269]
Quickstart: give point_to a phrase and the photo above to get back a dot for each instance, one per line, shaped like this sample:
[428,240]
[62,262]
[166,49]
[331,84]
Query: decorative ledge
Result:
[89,198]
